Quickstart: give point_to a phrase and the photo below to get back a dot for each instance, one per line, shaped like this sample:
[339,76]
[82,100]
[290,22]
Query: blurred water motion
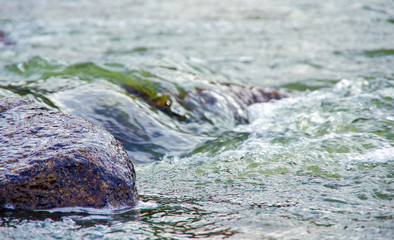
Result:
[316,165]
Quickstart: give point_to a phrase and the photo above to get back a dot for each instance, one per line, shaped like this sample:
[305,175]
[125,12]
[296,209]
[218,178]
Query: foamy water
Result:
[316,165]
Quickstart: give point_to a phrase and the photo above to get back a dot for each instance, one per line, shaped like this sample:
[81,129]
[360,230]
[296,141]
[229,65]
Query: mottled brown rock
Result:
[49,159]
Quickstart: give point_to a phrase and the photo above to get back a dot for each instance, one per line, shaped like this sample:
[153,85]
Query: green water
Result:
[316,165]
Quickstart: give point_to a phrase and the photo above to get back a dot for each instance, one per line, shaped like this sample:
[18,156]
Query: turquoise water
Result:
[315,165]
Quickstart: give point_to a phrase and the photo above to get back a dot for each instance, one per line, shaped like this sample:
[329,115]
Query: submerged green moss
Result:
[33,67]
[90,72]
[318,172]
[378,53]
[225,142]
[137,83]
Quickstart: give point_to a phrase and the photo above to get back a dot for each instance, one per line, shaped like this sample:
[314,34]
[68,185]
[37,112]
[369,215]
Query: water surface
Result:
[316,165]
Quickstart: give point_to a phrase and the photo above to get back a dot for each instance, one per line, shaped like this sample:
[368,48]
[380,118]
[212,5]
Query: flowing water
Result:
[315,165]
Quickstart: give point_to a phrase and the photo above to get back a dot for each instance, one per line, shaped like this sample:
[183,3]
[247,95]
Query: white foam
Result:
[98,211]
[102,211]
[280,108]
[274,108]
[146,205]
[9,206]
[380,155]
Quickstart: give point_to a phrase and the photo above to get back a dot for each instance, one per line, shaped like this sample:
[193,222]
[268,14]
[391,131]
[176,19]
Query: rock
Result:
[50,160]
[226,102]
[212,102]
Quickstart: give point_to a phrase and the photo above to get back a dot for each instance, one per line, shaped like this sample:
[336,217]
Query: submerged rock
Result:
[154,111]
[226,102]
[49,160]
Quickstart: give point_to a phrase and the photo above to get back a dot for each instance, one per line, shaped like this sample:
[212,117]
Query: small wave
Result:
[345,91]
[101,211]
[348,123]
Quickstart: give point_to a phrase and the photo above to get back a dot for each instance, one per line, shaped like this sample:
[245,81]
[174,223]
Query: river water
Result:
[315,165]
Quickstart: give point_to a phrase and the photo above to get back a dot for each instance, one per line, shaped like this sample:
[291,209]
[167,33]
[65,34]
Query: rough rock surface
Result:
[49,160]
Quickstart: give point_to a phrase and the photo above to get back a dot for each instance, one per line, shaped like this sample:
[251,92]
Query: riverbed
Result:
[317,164]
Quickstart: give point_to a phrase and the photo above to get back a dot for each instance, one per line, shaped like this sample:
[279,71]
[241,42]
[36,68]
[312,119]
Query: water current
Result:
[315,165]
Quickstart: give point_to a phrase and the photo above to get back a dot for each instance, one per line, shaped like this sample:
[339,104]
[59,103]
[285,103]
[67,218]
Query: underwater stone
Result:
[227,102]
[50,160]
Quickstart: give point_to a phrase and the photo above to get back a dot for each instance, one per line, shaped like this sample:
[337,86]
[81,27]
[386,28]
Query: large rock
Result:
[49,159]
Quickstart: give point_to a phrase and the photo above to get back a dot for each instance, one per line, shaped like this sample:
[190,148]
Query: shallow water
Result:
[316,165]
